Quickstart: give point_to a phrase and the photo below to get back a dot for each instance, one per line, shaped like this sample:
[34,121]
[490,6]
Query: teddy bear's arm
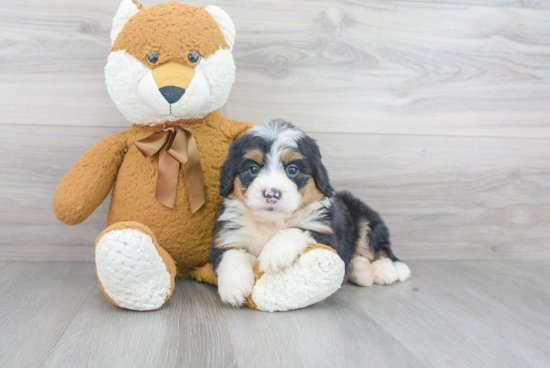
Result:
[89,181]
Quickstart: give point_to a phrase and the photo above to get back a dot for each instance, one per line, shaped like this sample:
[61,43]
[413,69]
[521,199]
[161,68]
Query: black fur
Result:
[309,149]
[235,163]
[344,215]
[344,218]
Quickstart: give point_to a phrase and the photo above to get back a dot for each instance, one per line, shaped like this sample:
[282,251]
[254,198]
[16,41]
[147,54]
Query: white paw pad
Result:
[131,270]
[384,272]
[313,277]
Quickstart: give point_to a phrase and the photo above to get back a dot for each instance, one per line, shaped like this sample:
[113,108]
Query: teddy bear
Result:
[169,71]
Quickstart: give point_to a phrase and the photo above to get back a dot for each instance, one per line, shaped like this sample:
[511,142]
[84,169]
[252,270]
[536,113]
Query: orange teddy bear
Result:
[170,69]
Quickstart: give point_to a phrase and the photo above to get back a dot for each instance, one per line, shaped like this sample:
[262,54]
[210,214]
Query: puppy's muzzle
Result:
[272,195]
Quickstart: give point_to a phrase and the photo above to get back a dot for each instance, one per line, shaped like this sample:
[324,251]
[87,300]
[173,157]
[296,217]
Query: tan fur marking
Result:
[238,190]
[255,155]
[362,246]
[380,254]
[172,30]
[173,74]
[290,155]
[310,194]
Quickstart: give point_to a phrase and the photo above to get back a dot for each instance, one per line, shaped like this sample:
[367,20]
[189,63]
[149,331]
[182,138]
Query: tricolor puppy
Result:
[278,201]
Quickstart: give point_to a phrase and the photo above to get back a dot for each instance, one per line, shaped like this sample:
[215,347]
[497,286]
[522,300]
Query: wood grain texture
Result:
[470,313]
[465,313]
[535,4]
[442,197]
[190,332]
[38,302]
[357,66]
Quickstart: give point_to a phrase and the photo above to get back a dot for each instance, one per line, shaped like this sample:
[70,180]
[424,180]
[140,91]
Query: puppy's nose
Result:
[172,94]
[272,195]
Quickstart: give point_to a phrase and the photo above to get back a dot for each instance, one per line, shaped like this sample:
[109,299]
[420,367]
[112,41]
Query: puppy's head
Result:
[275,170]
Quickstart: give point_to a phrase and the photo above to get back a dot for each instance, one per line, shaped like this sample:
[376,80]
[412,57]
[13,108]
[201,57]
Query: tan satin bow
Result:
[175,146]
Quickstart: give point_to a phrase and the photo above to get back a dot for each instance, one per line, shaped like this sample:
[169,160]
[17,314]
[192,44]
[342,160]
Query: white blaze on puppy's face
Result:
[272,194]
[282,208]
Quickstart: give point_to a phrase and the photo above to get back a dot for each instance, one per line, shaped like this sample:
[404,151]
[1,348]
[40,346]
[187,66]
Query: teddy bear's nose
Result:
[172,94]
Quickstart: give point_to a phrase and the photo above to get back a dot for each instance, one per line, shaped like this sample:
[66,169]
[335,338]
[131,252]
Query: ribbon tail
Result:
[178,146]
[192,172]
[167,179]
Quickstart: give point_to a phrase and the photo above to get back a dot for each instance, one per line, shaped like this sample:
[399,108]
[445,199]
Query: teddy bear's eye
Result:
[152,58]
[194,57]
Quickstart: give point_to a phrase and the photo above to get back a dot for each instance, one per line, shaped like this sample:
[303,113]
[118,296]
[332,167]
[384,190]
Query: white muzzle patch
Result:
[194,99]
[271,180]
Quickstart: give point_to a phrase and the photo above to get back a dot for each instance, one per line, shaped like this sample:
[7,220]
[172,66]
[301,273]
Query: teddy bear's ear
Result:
[224,22]
[126,10]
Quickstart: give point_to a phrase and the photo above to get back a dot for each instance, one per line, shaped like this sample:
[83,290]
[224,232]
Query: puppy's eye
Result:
[194,58]
[254,169]
[153,58]
[292,171]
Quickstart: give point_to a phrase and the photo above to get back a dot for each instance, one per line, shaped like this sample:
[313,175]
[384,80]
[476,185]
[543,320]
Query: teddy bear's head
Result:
[170,61]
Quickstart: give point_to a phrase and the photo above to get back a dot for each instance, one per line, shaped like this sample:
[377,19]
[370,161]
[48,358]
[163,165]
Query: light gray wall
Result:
[436,113]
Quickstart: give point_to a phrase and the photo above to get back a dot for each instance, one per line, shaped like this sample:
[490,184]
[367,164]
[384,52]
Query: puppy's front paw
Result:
[234,290]
[236,277]
[283,249]
[274,259]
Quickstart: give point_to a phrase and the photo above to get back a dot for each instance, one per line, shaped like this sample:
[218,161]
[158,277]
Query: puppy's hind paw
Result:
[360,271]
[403,271]
[384,272]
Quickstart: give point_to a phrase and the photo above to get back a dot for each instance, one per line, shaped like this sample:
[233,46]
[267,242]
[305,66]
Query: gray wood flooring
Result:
[449,314]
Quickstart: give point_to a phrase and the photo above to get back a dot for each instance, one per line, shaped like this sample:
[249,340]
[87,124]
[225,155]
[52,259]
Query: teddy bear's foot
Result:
[313,277]
[134,272]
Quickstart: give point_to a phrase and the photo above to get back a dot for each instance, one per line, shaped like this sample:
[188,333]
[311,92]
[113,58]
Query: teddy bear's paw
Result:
[131,271]
[313,277]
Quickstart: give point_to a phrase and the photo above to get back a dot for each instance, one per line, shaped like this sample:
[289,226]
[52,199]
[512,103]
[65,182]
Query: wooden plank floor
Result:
[450,313]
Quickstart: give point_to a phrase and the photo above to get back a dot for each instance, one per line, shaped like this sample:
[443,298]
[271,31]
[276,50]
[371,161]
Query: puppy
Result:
[278,201]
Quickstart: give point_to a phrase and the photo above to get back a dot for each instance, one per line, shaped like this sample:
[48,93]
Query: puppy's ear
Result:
[229,169]
[228,173]
[320,174]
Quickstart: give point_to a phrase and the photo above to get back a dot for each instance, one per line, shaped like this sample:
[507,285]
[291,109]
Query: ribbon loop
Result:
[175,147]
